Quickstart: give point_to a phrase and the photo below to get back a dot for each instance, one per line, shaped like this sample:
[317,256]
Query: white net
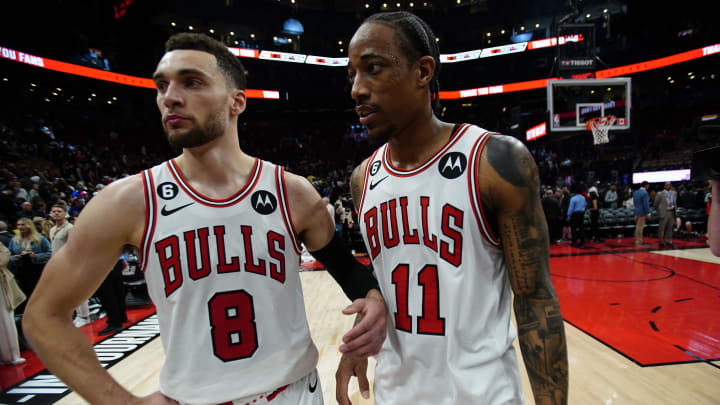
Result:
[600,127]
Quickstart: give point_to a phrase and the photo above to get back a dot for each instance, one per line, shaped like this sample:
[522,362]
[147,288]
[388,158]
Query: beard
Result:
[379,136]
[198,135]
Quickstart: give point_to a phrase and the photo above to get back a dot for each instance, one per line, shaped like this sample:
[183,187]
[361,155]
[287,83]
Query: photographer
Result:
[30,251]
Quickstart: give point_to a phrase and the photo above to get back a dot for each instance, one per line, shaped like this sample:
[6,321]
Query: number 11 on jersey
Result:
[429,322]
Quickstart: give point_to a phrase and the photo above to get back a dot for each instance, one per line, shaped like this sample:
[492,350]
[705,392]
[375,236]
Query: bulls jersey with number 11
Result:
[442,273]
[224,276]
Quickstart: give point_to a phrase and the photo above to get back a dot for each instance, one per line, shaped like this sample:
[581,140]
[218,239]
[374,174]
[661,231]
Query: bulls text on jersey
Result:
[175,269]
[381,225]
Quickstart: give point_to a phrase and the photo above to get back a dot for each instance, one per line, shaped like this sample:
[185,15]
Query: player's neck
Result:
[416,143]
[219,163]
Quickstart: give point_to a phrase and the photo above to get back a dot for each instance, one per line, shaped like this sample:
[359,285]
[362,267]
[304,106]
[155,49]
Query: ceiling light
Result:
[689,74]
[115,98]
[384,5]
[93,94]
[173,23]
[488,34]
[672,81]
[290,40]
[609,89]
[669,77]
[367,5]
[252,36]
[424,4]
[212,31]
[587,15]
[412,4]
[232,33]
[5,79]
[274,38]
[89,99]
[292,1]
[109,102]
[236,42]
[437,39]
[692,77]
[191,28]
[397,4]
[342,50]
[33,84]
[339,42]
[58,89]
[458,1]
[502,32]
[537,25]
[522,28]
[605,11]
[54,94]
[592,91]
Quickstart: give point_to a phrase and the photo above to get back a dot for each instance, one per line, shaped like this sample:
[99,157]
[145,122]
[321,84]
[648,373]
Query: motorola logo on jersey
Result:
[374,168]
[167,190]
[452,165]
[263,202]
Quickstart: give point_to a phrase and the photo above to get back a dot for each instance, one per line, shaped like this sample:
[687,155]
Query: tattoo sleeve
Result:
[525,239]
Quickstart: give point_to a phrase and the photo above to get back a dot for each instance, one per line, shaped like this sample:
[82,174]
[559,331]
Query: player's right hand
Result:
[349,367]
[156,398]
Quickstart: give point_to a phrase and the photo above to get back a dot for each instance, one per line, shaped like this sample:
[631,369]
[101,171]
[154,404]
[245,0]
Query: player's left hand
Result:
[367,336]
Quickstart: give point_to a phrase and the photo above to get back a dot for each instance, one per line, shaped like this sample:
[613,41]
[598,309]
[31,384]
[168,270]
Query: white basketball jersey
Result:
[442,273]
[224,276]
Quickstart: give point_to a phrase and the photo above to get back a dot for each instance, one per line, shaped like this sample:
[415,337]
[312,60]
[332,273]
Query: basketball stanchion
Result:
[600,126]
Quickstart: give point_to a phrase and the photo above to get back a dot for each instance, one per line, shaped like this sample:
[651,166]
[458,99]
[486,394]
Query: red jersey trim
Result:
[198,197]
[366,177]
[150,217]
[276,393]
[411,172]
[285,208]
[474,189]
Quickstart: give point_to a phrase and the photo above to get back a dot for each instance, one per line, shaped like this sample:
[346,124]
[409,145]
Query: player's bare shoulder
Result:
[119,207]
[506,165]
[357,179]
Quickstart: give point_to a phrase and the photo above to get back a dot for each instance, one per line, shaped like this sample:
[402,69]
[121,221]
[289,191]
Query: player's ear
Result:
[425,70]
[239,102]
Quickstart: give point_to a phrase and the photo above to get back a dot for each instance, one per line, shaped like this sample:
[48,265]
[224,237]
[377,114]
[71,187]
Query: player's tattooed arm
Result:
[514,195]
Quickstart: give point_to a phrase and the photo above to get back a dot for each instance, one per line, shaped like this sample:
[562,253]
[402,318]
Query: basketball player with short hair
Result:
[219,233]
[453,224]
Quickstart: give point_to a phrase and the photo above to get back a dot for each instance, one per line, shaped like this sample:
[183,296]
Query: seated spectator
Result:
[26,210]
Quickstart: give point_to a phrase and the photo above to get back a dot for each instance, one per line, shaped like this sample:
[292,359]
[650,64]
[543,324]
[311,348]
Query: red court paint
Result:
[653,309]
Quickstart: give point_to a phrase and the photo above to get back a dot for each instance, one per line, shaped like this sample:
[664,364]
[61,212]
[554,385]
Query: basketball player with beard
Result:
[219,233]
[453,224]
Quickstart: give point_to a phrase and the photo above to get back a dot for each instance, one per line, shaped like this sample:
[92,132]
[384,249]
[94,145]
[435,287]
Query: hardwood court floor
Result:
[598,373]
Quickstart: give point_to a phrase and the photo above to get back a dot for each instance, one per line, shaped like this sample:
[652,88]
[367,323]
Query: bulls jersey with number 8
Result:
[224,276]
[441,269]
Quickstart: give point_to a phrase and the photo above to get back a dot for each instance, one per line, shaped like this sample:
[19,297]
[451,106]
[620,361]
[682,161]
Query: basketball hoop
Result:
[600,127]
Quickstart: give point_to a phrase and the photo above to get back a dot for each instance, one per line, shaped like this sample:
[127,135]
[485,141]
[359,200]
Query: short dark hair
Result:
[644,183]
[416,40]
[228,63]
[59,204]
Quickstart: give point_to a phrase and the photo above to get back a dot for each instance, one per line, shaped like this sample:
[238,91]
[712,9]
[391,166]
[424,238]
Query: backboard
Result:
[572,102]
